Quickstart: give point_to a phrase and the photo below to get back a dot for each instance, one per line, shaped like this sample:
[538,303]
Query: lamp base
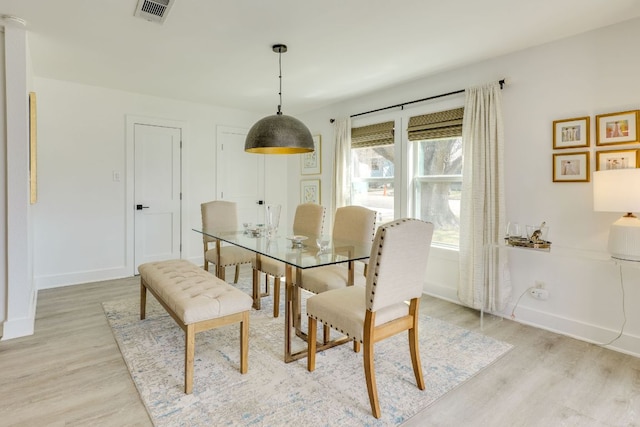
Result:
[624,239]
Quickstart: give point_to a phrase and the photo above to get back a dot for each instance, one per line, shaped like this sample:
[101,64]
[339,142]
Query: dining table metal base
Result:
[292,323]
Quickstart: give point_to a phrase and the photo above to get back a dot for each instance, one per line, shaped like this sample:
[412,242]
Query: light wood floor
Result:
[70,372]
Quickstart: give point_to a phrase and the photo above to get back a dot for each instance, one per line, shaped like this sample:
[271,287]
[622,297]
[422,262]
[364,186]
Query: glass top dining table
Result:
[305,255]
[296,257]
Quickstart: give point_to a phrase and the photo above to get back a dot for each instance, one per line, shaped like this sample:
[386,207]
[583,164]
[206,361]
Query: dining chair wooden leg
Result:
[356,346]
[143,300]
[369,371]
[256,289]
[235,278]
[414,346]
[276,297]
[221,273]
[326,334]
[206,263]
[311,344]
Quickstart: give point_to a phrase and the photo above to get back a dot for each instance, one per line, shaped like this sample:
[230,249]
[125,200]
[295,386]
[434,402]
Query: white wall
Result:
[593,73]
[80,226]
[17,281]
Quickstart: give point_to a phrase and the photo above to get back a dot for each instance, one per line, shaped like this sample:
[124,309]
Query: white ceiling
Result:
[219,51]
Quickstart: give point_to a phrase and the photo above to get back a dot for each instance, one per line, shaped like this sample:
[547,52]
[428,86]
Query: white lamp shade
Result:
[619,191]
[616,190]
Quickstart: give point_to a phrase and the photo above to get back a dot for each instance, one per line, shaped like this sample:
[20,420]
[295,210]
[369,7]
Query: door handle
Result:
[140,207]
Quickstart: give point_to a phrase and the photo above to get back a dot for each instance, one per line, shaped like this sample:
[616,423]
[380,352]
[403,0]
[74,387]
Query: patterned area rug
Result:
[274,393]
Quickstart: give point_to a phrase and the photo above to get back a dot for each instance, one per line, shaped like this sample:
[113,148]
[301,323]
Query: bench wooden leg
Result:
[143,300]
[244,343]
[189,353]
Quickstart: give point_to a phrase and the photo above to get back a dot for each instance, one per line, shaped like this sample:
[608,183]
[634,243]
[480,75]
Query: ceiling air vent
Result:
[153,10]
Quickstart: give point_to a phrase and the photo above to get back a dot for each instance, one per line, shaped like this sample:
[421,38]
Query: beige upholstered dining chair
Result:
[220,214]
[351,223]
[308,221]
[397,266]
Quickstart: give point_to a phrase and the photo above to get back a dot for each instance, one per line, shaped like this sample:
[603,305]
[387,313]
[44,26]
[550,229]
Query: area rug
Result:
[274,393]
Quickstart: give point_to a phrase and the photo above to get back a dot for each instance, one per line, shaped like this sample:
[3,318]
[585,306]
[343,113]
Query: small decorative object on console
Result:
[535,238]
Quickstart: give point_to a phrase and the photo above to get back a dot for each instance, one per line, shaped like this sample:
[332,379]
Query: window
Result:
[437,172]
[373,169]
[419,176]
[437,186]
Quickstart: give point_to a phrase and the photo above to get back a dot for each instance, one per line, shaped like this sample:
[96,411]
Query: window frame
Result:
[405,163]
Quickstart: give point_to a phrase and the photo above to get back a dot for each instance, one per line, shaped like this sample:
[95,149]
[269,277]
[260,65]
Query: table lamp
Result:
[618,190]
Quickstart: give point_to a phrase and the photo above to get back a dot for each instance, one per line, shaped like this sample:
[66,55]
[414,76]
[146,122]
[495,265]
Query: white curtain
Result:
[342,164]
[484,276]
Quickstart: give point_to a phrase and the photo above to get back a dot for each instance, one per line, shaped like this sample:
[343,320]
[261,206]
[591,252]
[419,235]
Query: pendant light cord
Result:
[280,77]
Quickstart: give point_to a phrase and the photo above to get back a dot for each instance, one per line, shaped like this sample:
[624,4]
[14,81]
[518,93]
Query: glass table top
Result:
[306,254]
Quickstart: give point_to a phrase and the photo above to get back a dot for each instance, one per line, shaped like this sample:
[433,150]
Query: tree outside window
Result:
[437,184]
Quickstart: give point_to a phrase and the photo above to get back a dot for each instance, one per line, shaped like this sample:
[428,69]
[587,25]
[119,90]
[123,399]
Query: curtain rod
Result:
[501,82]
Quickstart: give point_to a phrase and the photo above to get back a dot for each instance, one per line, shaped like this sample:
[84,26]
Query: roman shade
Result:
[372,135]
[443,124]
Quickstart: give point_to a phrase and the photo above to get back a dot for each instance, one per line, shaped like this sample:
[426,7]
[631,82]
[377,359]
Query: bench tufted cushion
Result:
[192,293]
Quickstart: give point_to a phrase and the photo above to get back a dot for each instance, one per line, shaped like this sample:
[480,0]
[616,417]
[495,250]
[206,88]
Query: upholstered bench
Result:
[197,301]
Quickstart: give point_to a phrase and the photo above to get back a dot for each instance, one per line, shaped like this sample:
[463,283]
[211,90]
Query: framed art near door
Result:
[310,191]
[311,163]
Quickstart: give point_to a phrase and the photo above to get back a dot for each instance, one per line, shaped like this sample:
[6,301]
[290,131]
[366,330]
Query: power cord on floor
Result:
[624,311]
[513,312]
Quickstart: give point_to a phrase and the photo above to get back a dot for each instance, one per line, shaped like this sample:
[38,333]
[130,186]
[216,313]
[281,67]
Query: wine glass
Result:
[514,230]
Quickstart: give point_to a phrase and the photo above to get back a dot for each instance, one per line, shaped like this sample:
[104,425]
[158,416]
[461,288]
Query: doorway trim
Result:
[131,120]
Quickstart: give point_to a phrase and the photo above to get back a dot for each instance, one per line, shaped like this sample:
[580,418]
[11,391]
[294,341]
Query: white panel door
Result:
[240,175]
[157,193]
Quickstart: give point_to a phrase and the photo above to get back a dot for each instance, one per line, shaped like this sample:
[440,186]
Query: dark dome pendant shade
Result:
[279,134]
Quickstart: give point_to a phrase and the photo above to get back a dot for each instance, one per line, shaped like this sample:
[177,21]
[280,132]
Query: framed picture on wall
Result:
[571,167]
[311,163]
[617,128]
[310,191]
[571,133]
[616,159]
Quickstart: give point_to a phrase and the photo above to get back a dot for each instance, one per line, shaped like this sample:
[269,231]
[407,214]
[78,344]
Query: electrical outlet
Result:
[538,293]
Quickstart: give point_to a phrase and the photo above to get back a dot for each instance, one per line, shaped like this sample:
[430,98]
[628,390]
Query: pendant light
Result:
[279,134]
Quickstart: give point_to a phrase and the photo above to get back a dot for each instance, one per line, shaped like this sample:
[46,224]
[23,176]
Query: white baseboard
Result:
[627,343]
[16,328]
[79,277]
[21,327]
